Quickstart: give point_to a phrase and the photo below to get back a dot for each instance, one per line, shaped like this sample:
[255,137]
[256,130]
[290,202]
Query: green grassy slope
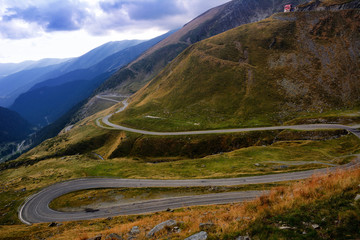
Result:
[217,20]
[266,73]
[322,207]
[280,157]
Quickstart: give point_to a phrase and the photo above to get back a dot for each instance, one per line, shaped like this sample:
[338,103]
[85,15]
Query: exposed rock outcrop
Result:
[98,237]
[357,198]
[113,236]
[206,226]
[199,236]
[160,227]
[243,238]
[318,5]
[134,231]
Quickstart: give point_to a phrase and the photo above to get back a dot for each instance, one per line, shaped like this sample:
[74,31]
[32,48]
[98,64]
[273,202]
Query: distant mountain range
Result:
[23,76]
[48,100]
[11,68]
[88,72]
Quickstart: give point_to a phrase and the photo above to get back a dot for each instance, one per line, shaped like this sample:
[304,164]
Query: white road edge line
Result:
[125,104]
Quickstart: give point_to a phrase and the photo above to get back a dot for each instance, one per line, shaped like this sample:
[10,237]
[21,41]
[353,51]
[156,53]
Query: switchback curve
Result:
[36,209]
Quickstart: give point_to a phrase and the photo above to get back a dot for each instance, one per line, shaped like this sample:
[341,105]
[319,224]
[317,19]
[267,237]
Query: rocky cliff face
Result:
[234,14]
[326,5]
[323,71]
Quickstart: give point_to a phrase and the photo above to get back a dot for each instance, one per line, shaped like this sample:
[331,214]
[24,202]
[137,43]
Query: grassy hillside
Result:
[286,67]
[322,207]
[283,156]
[217,20]
[71,155]
[291,68]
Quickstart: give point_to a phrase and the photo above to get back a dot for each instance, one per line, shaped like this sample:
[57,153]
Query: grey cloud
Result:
[117,15]
[58,15]
[12,30]
[145,10]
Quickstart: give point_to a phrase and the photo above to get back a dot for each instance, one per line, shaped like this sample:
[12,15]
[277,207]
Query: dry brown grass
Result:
[230,218]
[315,188]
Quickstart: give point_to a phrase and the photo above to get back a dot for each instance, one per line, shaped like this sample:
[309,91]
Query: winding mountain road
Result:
[109,125]
[36,208]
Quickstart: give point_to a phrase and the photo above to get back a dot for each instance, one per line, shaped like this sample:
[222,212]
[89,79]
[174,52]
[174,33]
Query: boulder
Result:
[243,238]
[206,226]
[199,236]
[135,230]
[357,198]
[113,236]
[98,237]
[284,227]
[161,226]
[176,229]
[315,226]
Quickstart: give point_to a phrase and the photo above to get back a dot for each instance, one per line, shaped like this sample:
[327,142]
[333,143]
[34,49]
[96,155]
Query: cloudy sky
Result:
[35,29]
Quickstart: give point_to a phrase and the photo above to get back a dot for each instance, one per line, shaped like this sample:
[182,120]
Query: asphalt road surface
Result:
[36,208]
[110,125]
[107,98]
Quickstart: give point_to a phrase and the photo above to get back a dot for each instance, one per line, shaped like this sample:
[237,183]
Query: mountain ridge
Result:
[287,69]
[38,97]
[218,82]
[11,68]
[138,73]
[36,72]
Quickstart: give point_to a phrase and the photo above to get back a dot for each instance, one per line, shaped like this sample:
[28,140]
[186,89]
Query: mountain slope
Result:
[12,126]
[48,100]
[78,67]
[214,21]
[43,106]
[99,54]
[266,73]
